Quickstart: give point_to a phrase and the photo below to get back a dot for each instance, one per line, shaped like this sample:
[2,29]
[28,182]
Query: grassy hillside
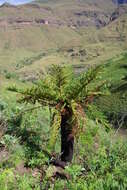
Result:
[57,27]
[42,33]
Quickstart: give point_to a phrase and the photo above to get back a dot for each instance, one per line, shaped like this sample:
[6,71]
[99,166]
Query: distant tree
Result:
[66,95]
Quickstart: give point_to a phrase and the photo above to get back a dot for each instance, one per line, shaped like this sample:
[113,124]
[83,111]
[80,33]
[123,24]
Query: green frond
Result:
[12,88]
[54,129]
[122,87]
[61,85]
[77,89]
[95,114]
[59,77]
[42,93]
[97,90]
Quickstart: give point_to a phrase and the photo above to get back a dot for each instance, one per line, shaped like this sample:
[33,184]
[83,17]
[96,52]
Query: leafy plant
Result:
[8,140]
[66,95]
[7,179]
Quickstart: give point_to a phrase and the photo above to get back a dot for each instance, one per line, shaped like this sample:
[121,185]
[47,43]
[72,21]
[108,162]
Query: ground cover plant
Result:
[99,158]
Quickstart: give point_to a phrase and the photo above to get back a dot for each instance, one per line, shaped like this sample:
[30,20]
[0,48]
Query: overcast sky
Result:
[16,2]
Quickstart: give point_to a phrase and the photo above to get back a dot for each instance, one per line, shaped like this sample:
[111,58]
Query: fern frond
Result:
[78,87]
[42,93]
[12,88]
[78,118]
[122,87]
[60,75]
[55,130]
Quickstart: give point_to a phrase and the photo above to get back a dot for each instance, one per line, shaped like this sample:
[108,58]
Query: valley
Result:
[63,95]
[95,33]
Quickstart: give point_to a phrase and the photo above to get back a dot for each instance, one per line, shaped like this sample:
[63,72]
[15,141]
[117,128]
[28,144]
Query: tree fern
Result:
[62,90]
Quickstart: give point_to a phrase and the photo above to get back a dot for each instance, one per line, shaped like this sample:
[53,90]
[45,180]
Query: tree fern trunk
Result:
[67,138]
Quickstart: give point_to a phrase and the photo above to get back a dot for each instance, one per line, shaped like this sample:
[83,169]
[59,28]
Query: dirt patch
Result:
[21,169]
[119,133]
[122,133]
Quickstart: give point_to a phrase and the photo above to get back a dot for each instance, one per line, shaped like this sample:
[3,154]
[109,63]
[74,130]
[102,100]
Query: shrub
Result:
[3,105]
[7,179]
[9,75]
[10,180]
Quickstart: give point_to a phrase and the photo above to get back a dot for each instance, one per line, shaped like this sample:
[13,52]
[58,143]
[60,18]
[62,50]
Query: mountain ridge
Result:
[120,1]
[76,32]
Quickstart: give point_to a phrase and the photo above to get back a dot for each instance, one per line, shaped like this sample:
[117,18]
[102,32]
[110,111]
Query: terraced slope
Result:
[38,34]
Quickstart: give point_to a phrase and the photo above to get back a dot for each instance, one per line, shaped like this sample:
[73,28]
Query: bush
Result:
[3,105]
[9,75]
[104,168]
[9,180]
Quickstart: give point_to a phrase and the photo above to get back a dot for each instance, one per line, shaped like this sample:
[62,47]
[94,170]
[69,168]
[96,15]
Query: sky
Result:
[15,2]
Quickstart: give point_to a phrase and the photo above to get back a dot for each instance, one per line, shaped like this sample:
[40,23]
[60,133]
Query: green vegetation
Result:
[75,36]
[66,95]
[99,160]
[115,105]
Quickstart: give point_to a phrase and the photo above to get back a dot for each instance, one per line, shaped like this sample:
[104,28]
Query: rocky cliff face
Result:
[121,10]
[73,14]
[77,15]
[71,30]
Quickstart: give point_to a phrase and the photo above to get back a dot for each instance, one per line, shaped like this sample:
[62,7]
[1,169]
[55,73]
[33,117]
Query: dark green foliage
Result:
[9,75]
[61,85]
[99,117]
[3,105]
[121,88]
[12,88]
[114,106]
[31,130]
[61,89]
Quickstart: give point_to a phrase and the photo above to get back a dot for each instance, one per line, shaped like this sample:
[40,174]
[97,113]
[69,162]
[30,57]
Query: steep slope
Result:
[57,31]
[78,13]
